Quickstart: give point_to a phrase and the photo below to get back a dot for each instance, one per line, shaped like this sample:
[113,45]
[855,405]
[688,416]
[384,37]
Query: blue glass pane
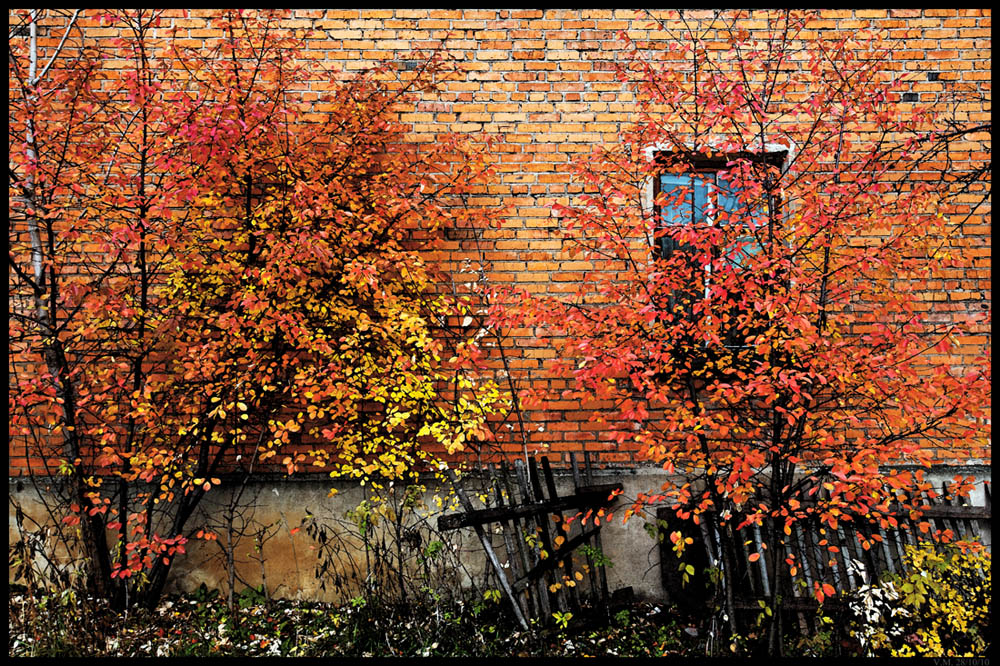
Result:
[727,200]
[745,245]
[689,209]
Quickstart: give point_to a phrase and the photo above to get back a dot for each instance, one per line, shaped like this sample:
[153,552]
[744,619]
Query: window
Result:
[704,195]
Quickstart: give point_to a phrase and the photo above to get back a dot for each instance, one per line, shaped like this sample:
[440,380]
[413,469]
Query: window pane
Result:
[687,197]
[736,213]
[691,208]
[728,201]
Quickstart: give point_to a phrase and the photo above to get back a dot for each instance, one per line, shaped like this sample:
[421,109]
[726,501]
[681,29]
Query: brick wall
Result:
[544,81]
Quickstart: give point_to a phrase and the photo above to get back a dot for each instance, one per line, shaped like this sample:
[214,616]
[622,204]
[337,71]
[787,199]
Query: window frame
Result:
[696,164]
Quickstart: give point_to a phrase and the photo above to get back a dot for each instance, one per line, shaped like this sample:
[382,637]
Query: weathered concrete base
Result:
[263,521]
[290,560]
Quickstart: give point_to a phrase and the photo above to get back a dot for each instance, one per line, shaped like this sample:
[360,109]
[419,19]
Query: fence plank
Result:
[509,546]
[544,525]
[488,547]
[558,531]
[602,572]
[542,591]
[531,595]
[592,568]
[588,496]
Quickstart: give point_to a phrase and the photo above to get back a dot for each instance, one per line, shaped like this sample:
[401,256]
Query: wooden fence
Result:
[816,562]
[540,532]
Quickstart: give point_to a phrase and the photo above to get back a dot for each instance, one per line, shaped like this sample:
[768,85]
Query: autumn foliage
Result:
[763,241]
[219,265]
[215,271]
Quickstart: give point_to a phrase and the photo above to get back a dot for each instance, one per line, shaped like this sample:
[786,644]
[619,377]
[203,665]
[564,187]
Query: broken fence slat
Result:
[602,572]
[577,483]
[517,536]
[488,547]
[542,521]
[560,531]
[542,593]
[553,560]
[589,496]
[512,559]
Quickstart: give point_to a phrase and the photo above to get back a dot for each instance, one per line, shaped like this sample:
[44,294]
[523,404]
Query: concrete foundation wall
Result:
[272,546]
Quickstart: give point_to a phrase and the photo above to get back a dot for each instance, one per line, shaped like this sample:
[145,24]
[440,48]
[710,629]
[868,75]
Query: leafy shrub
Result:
[939,608]
[200,624]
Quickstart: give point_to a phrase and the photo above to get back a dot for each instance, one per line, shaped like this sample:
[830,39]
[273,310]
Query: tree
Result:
[763,240]
[212,271]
